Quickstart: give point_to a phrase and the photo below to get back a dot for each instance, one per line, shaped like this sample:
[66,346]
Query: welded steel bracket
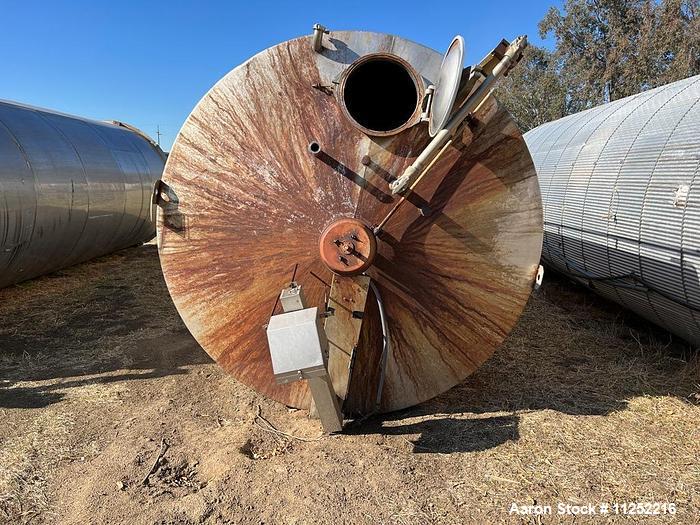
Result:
[165,198]
[348,297]
[539,277]
[161,194]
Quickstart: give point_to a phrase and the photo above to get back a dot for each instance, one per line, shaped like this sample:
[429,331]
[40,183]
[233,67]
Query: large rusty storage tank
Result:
[287,171]
[621,192]
[72,189]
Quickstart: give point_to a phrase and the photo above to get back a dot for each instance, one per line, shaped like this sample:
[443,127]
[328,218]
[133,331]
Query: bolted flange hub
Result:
[347,246]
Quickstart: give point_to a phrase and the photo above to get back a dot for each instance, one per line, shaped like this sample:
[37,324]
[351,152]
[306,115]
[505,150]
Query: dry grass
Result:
[583,403]
[26,462]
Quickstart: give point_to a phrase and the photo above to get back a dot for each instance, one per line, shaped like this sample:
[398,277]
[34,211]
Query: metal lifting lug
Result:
[318,33]
[163,194]
[539,277]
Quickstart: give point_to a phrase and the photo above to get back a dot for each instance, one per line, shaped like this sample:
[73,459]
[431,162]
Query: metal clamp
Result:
[162,195]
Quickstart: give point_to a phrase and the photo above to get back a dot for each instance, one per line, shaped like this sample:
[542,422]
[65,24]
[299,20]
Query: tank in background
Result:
[621,192]
[72,189]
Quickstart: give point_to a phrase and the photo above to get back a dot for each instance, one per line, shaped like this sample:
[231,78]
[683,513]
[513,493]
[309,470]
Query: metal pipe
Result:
[319,31]
[377,230]
[314,148]
[403,198]
[512,53]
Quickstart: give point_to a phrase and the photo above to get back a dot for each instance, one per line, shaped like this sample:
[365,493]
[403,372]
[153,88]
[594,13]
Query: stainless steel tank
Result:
[284,171]
[621,192]
[71,188]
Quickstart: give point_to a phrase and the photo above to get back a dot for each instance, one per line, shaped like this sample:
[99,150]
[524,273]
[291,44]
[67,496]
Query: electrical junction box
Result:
[292,298]
[297,345]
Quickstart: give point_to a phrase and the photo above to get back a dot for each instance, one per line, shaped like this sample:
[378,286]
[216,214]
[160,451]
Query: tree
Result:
[604,50]
[595,41]
[677,40]
[609,49]
[533,91]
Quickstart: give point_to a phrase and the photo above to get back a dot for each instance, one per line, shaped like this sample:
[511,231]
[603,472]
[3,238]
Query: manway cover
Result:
[447,85]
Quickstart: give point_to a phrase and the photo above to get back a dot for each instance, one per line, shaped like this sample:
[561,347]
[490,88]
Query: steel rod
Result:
[481,93]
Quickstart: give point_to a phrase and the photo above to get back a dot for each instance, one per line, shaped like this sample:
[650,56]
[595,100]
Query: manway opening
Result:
[381,94]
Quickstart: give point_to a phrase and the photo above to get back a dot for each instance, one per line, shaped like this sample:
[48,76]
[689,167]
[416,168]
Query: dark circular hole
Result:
[314,147]
[380,94]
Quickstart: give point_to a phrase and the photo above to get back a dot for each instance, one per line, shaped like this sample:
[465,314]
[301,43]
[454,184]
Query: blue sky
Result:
[148,63]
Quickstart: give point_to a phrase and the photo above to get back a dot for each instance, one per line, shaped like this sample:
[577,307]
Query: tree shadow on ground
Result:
[104,321]
[572,352]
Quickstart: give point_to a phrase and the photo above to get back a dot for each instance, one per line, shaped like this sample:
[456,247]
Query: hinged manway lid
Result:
[447,86]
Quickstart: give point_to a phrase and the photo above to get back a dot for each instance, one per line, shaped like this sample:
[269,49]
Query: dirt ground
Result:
[100,381]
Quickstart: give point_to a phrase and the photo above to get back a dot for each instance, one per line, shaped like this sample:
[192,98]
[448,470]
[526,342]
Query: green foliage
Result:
[533,91]
[604,50]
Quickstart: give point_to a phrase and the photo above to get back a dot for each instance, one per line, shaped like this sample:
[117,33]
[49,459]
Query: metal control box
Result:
[297,345]
[292,298]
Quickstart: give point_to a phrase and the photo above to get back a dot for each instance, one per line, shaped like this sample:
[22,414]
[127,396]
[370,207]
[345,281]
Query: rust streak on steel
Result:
[255,201]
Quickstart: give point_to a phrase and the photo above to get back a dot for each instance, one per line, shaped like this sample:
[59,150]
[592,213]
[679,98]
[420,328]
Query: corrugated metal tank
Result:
[621,192]
[72,189]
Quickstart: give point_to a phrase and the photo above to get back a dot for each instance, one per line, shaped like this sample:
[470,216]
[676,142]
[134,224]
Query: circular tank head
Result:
[381,94]
[347,247]
[447,86]
[269,159]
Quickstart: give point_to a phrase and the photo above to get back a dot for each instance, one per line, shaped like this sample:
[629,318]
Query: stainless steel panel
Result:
[298,345]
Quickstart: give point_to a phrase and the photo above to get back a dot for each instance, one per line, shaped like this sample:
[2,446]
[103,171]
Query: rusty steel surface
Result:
[248,203]
[347,296]
[347,247]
